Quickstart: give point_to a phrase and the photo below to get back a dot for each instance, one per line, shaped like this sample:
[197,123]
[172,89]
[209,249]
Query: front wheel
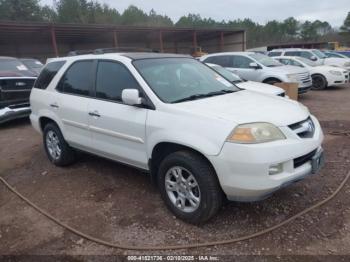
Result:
[189,187]
[319,82]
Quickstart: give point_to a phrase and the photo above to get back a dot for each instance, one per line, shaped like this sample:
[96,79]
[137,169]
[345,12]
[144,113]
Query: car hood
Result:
[17,73]
[247,107]
[287,69]
[325,68]
[260,87]
[337,61]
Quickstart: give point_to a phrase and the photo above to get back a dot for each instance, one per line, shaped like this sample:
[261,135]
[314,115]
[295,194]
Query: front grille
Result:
[304,77]
[303,159]
[13,85]
[304,129]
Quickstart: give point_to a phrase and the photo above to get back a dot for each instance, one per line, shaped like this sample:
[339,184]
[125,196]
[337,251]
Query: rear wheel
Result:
[189,187]
[319,82]
[57,149]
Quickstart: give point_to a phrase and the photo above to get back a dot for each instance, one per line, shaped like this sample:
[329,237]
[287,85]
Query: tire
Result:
[319,82]
[57,149]
[272,81]
[208,193]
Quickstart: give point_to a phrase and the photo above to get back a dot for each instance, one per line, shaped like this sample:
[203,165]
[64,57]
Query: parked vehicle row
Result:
[199,136]
[260,68]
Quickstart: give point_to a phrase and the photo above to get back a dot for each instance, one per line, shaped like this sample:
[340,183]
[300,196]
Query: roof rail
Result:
[100,51]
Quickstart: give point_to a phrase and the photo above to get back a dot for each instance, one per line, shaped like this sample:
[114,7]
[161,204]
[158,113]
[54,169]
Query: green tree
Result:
[346,25]
[71,11]
[19,10]
[133,16]
[155,19]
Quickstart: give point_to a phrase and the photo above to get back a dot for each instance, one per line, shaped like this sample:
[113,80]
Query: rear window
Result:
[47,74]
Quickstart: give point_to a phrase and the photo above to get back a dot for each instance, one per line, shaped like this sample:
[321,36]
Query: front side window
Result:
[179,79]
[222,60]
[292,53]
[265,60]
[319,54]
[307,55]
[274,54]
[111,79]
[241,62]
[47,74]
[78,79]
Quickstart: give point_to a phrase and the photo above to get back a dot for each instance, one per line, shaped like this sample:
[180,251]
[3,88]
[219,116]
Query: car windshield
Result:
[12,65]
[265,60]
[306,61]
[32,63]
[227,74]
[176,80]
[319,54]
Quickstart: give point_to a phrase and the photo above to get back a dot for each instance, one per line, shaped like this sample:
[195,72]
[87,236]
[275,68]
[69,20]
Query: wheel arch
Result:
[271,78]
[163,149]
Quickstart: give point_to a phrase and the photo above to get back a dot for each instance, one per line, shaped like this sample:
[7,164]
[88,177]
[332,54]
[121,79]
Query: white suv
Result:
[199,136]
[260,68]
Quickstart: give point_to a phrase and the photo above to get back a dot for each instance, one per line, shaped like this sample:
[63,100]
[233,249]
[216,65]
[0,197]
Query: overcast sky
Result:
[333,11]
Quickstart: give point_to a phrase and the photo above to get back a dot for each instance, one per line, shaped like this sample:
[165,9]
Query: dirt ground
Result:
[118,203]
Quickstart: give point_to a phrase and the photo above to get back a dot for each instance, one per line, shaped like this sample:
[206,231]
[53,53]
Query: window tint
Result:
[222,60]
[307,55]
[47,74]
[290,62]
[241,62]
[292,53]
[274,53]
[78,79]
[111,79]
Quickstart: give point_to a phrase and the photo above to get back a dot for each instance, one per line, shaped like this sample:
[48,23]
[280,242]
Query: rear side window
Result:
[111,79]
[307,55]
[47,74]
[78,79]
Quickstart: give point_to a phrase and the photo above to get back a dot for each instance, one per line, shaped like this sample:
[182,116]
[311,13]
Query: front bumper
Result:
[15,112]
[243,170]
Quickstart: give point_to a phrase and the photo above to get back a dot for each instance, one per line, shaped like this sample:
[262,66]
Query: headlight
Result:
[293,77]
[337,73]
[255,133]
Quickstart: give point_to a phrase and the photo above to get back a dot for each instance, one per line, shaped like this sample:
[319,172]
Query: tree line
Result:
[89,11]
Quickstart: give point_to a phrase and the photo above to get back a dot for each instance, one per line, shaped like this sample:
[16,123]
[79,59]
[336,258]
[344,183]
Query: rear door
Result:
[71,102]
[118,130]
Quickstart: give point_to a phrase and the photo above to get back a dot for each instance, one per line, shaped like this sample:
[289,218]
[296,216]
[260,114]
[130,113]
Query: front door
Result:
[118,130]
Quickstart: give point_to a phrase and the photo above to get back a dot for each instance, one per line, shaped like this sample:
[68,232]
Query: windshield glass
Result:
[319,54]
[227,74]
[265,60]
[12,65]
[306,61]
[179,79]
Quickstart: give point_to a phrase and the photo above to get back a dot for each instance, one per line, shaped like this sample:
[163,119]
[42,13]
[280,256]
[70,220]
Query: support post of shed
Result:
[54,42]
[221,41]
[195,41]
[161,47]
[115,39]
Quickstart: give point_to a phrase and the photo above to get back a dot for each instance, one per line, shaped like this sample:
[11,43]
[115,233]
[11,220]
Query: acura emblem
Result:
[20,84]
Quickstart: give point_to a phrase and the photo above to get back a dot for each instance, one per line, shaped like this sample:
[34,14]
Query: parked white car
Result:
[248,85]
[322,76]
[260,68]
[318,57]
[198,136]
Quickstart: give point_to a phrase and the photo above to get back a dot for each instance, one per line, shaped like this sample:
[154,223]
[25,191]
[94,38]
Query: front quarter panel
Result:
[203,134]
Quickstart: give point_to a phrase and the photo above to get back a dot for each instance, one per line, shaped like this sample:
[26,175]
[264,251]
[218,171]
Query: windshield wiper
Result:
[198,96]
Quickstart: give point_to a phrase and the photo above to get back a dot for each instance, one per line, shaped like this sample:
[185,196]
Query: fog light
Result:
[276,169]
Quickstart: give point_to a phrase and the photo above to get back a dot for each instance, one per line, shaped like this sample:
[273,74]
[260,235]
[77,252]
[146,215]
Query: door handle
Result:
[54,105]
[95,113]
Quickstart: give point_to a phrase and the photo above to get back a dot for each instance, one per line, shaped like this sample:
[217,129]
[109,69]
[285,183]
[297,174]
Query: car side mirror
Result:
[131,97]
[313,58]
[254,65]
